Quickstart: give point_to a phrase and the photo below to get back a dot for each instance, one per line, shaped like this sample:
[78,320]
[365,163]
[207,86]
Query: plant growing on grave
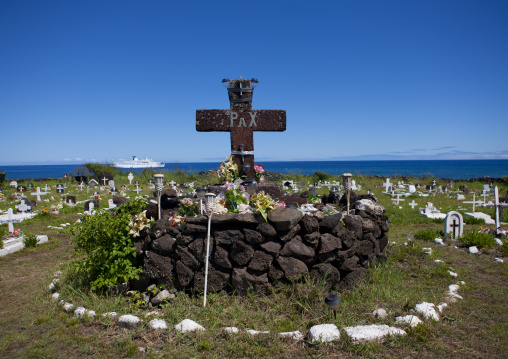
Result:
[30,240]
[228,170]
[176,221]
[188,208]
[107,244]
[479,239]
[262,203]
[322,176]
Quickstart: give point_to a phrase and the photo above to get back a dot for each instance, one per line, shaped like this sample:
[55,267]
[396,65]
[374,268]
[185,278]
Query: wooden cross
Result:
[241,121]
[454,225]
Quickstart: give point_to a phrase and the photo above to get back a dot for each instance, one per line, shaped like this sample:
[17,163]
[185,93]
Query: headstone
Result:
[10,220]
[431,212]
[454,225]
[486,188]
[81,185]
[130,177]
[22,207]
[434,183]
[71,200]
[123,188]
[21,188]
[91,205]
[93,182]
[104,180]
[111,184]
[60,188]
[411,188]
[241,121]
[460,197]
[30,185]
[13,184]
[111,204]
[137,186]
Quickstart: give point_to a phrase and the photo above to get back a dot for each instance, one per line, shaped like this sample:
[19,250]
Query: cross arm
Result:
[225,120]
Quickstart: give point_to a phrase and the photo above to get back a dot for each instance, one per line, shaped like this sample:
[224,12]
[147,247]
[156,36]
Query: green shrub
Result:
[479,239]
[100,168]
[107,242]
[504,248]
[427,234]
[321,176]
[30,240]
[2,177]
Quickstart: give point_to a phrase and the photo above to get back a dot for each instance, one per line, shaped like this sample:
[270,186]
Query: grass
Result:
[32,326]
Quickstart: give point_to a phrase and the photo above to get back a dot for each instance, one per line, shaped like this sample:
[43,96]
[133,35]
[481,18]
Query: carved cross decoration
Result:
[241,121]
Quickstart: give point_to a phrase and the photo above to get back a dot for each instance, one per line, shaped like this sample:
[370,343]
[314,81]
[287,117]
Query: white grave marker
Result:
[413,204]
[130,177]
[453,225]
[39,194]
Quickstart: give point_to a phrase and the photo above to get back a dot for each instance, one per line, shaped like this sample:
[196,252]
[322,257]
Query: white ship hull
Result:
[135,163]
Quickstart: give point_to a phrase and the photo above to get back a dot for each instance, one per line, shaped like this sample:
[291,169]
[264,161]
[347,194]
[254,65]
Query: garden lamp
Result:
[346,180]
[332,301]
[209,206]
[200,193]
[159,184]
[250,186]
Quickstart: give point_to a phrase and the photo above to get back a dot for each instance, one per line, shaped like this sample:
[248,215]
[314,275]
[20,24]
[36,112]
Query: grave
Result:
[22,207]
[71,201]
[21,188]
[60,188]
[460,197]
[130,177]
[93,183]
[11,218]
[413,204]
[431,212]
[13,184]
[39,194]
[411,188]
[453,225]
[241,121]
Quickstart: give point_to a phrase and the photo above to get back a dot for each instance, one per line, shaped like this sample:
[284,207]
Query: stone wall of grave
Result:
[246,251]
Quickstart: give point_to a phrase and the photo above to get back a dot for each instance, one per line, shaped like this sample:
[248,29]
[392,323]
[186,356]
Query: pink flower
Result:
[259,169]
[228,186]
[280,204]
[15,233]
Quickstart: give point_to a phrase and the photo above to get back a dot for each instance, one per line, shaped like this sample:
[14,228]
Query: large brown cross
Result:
[241,121]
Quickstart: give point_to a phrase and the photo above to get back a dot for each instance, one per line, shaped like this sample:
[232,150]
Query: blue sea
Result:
[456,169]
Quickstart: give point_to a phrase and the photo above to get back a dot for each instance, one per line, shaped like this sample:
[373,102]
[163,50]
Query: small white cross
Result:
[398,199]
[130,177]
[105,180]
[413,204]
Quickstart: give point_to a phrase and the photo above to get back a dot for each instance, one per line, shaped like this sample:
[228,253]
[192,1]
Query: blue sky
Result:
[104,80]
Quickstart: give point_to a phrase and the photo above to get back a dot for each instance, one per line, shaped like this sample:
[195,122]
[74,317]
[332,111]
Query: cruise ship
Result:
[135,163]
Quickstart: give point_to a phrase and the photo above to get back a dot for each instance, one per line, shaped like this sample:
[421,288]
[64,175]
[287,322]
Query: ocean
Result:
[455,169]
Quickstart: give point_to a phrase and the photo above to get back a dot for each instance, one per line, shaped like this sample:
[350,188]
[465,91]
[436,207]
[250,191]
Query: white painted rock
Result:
[42,239]
[256,332]
[368,333]
[380,313]
[369,205]
[110,314]
[453,274]
[79,312]
[441,306]
[439,241]
[231,330]
[427,250]
[128,321]
[412,320]
[427,310]
[438,261]
[67,306]
[473,250]
[158,324]
[296,335]
[55,296]
[498,241]
[323,333]
[498,260]
[188,325]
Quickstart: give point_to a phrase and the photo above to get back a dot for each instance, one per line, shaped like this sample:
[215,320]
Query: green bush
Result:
[2,177]
[427,234]
[321,176]
[107,242]
[504,248]
[30,240]
[100,168]
[479,239]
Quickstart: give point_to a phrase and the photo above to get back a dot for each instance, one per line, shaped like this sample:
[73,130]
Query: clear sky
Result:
[104,80]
